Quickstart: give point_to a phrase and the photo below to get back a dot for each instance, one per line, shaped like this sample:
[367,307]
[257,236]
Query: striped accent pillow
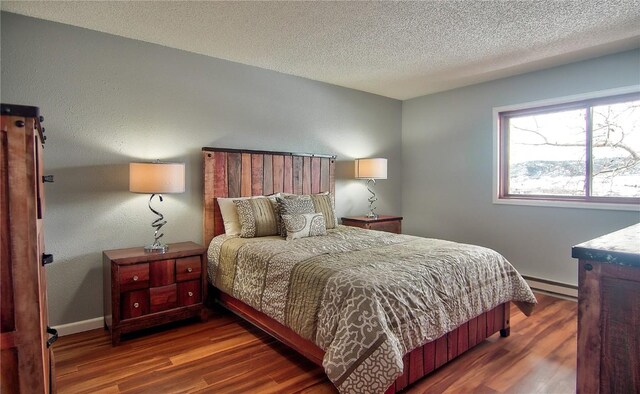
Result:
[257,217]
[323,203]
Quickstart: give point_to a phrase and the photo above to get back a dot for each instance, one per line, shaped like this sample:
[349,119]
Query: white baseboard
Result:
[80,326]
[552,287]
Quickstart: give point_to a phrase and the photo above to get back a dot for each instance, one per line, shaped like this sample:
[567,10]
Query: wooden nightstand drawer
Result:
[162,273]
[135,303]
[188,268]
[163,298]
[189,292]
[391,224]
[134,277]
[143,289]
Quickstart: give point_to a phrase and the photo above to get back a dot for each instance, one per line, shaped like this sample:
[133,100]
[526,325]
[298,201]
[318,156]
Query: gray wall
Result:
[447,169]
[108,100]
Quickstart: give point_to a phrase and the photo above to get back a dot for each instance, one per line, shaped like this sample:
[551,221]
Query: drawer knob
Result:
[135,278]
[190,294]
[136,305]
[189,269]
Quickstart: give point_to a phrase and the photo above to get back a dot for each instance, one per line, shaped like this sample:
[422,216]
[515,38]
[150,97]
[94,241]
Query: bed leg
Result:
[212,293]
[204,315]
[506,316]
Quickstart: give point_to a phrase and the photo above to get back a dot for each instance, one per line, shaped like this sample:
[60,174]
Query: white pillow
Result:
[229,212]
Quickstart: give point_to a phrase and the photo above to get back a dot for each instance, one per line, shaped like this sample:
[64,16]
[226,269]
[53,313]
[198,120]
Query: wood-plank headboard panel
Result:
[245,173]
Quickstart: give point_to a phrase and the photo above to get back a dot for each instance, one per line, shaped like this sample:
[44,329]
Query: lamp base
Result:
[372,200]
[156,248]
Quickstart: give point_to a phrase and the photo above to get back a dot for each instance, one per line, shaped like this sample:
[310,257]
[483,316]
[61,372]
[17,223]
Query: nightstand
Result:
[391,224]
[143,289]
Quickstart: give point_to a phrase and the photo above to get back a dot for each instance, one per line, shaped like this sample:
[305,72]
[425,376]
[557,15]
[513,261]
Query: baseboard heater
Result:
[549,286]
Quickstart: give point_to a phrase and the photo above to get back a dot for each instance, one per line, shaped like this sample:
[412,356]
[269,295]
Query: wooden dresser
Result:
[27,360]
[609,313]
[144,289]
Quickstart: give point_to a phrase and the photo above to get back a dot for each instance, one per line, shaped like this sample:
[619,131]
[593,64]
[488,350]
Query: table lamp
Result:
[156,178]
[371,169]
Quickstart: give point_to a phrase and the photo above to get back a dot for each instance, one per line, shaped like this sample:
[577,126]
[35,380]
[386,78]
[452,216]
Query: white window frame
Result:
[497,199]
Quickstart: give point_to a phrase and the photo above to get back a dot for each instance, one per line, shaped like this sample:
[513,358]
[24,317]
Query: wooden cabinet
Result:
[391,224]
[145,289]
[609,313]
[26,358]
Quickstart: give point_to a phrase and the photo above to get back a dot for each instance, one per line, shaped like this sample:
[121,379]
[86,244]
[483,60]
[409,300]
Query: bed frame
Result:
[244,173]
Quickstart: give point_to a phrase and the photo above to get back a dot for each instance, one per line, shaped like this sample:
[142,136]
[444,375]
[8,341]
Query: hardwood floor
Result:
[227,355]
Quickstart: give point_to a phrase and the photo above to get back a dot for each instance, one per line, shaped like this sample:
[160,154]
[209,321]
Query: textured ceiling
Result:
[395,49]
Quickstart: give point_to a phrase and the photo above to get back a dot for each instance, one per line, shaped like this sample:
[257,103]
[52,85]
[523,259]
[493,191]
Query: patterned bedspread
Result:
[365,297]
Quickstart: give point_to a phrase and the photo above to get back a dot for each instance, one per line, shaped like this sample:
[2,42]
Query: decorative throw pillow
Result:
[293,205]
[298,204]
[257,217]
[304,225]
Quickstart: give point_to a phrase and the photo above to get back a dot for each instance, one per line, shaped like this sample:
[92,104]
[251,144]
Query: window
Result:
[585,151]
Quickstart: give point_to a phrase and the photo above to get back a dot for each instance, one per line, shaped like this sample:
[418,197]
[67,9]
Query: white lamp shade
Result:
[371,168]
[156,177]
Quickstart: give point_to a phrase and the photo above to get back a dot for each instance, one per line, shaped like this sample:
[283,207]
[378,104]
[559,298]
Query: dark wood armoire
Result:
[27,358]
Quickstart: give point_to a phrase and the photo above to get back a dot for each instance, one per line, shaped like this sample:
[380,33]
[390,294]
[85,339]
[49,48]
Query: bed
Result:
[386,345]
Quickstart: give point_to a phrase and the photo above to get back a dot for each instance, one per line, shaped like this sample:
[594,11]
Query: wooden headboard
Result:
[245,173]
